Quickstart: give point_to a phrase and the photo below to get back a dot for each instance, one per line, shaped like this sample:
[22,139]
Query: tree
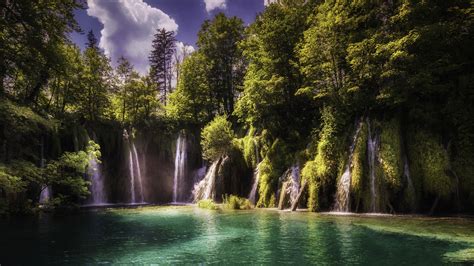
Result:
[94,97]
[273,75]
[191,101]
[218,41]
[31,33]
[164,46]
[216,138]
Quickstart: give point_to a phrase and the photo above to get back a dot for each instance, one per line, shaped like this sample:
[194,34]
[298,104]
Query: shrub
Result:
[207,204]
[236,203]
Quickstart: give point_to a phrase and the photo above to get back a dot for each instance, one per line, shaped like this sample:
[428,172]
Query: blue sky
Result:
[125,27]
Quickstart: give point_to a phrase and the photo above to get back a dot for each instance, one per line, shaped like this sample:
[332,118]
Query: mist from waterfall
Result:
[179,168]
[205,188]
[343,197]
[372,146]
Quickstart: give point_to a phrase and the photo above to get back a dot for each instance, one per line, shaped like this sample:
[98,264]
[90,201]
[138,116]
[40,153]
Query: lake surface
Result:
[189,235]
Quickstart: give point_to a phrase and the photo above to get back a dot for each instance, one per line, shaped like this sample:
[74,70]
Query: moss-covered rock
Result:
[359,164]
[430,162]
[390,154]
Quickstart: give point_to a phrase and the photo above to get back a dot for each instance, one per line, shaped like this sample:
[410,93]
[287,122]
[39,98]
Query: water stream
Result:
[343,199]
[179,168]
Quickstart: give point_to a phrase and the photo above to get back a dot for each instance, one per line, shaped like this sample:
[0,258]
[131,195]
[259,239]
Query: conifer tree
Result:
[164,46]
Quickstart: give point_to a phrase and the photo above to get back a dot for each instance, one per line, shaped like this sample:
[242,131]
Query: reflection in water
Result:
[188,235]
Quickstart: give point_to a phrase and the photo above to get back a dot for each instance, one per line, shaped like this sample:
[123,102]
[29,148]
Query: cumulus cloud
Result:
[129,26]
[268,2]
[215,4]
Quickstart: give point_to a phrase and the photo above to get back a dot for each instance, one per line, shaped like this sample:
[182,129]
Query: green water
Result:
[188,235]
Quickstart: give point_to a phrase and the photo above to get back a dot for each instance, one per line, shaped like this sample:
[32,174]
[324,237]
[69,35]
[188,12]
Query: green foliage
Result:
[359,163]
[390,153]
[329,146]
[218,41]
[192,99]
[430,163]
[207,204]
[233,202]
[216,138]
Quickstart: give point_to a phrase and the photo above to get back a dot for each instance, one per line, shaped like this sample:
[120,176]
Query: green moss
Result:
[207,204]
[359,162]
[390,154]
[429,161]
[276,161]
[309,173]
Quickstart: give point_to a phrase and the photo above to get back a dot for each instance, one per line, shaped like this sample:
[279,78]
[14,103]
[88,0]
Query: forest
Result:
[349,106]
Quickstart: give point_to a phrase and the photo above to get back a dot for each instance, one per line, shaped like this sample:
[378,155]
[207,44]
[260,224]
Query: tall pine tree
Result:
[164,46]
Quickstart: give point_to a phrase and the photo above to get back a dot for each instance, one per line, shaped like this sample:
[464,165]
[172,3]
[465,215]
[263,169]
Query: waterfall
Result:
[139,172]
[372,145]
[132,178]
[45,195]
[179,167]
[295,183]
[97,182]
[411,187]
[134,170]
[253,191]
[205,188]
[343,198]
[256,177]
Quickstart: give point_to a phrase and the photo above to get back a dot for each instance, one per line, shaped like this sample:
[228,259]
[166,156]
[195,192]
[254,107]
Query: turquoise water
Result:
[188,235]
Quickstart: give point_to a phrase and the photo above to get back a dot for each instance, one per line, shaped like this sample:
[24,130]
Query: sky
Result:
[126,27]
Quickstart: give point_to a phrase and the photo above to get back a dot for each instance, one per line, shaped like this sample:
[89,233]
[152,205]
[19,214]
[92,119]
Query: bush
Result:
[207,204]
[216,138]
[236,203]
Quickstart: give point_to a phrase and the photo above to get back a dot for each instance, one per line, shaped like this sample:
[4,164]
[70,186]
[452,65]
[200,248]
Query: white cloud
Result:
[268,2]
[129,26]
[215,4]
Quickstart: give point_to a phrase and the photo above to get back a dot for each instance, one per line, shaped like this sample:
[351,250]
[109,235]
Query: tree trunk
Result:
[298,198]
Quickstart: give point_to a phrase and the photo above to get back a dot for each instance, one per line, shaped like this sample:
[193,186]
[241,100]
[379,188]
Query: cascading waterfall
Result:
[97,182]
[295,183]
[45,195]
[256,177]
[205,188]
[343,199]
[253,191]
[372,145]
[410,187]
[132,177]
[139,172]
[134,170]
[179,167]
